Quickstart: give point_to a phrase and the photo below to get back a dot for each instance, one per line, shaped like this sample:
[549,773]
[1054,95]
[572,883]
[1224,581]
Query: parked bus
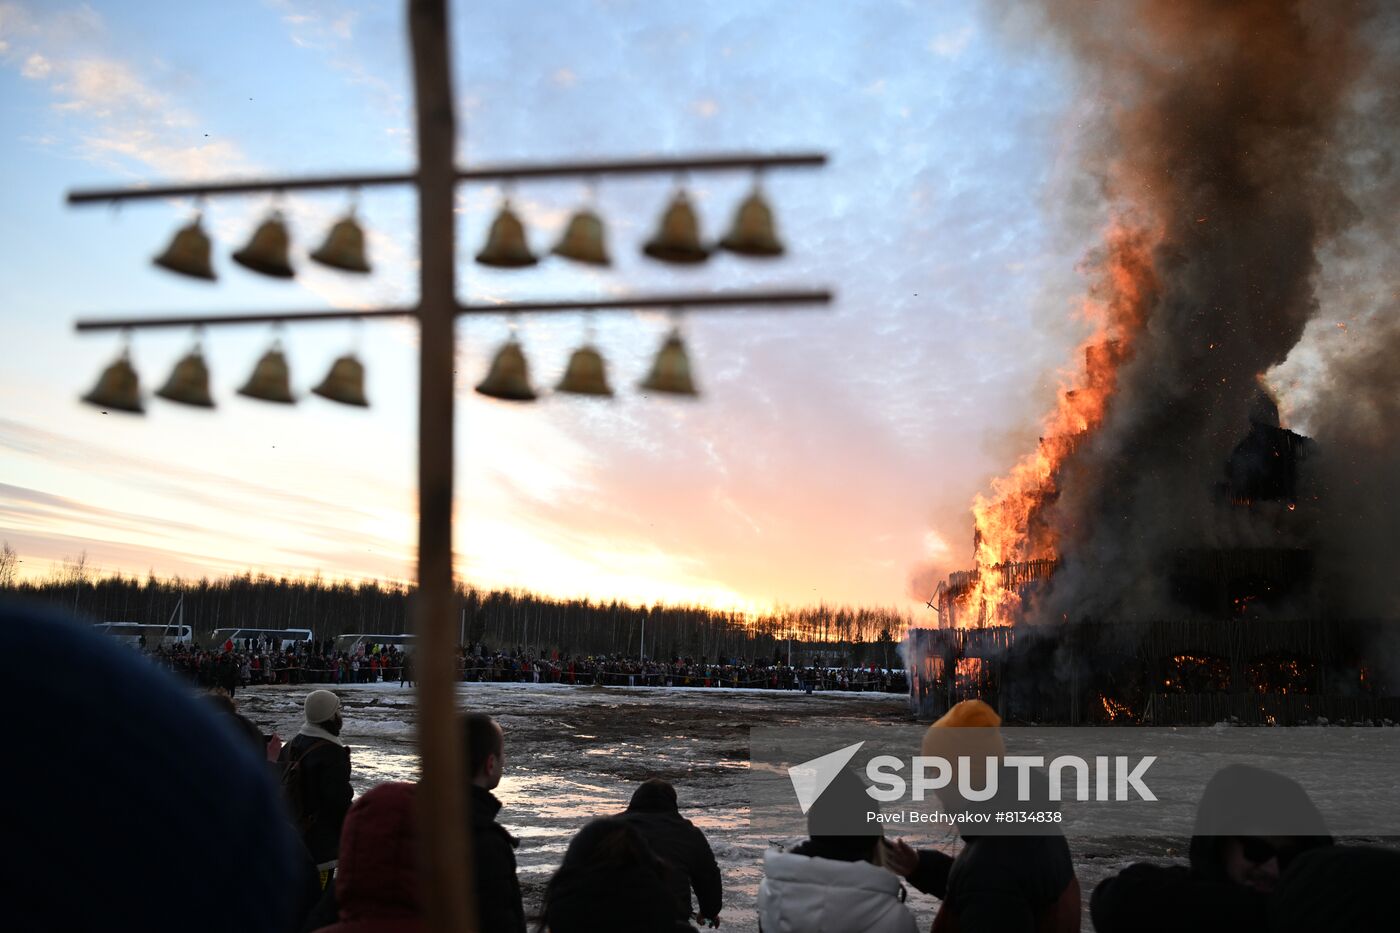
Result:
[365,642]
[243,638]
[141,634]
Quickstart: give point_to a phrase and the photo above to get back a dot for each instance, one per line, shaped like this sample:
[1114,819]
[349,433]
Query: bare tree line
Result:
[500,619]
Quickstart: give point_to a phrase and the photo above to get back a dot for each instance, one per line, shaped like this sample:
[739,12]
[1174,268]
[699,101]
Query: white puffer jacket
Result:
[801,894]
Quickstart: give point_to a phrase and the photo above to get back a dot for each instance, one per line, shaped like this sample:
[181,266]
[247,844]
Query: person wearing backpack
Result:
[316,779]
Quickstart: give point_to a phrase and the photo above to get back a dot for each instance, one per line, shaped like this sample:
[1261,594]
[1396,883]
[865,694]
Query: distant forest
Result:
[502,620]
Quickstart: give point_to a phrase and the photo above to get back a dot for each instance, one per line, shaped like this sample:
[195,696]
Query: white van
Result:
[278,638]
[133,633]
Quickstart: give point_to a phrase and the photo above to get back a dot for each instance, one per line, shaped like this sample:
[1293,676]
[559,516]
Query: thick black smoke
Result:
[1229,135]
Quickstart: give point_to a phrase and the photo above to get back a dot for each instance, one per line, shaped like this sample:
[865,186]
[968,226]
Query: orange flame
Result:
[1115,710]
[1010,524]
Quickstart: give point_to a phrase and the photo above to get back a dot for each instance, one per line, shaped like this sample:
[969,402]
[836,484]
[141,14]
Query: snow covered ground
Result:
[574,753]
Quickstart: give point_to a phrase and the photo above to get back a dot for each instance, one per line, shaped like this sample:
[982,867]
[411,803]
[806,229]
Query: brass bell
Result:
[344,248]
[506,247]
[509,376]
[586,375]
[583,240]
[189,382]
[117,388]
[271,381]
[752,233]
[678,238]
[345,383]
[266,252]
[188,252]
[670,373]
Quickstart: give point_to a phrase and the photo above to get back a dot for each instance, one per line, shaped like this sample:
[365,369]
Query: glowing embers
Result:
[1283,674]
[1115,710]
[1196,673]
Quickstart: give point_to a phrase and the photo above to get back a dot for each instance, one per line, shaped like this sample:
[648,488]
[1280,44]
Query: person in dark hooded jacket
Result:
[1230,878]
[610,882]
[1337,889]
[654,812]
[376,880]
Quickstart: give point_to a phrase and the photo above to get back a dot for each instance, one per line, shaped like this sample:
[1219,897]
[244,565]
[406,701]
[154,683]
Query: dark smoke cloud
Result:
[1225,132]
[1352,401]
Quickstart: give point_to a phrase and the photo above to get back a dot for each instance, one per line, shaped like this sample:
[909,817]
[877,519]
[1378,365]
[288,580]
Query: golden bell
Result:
[188,253]
[189,382]
[586,374]
[266,252]
[117,388]
[752,233]
[345,383]
[671,371]
[678,239]
[344,248]
[583,240]
[271,381]
[509,376]
[506,247]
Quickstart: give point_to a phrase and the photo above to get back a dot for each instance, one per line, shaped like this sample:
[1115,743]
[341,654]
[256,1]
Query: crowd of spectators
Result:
[317,662]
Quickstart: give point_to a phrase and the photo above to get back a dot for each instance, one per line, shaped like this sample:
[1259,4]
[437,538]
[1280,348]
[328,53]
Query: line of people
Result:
[314,662]
[230,668]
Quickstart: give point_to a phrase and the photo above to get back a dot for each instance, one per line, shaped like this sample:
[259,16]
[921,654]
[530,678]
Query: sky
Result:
[832,456]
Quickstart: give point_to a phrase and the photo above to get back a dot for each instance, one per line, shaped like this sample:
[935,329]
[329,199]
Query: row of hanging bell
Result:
[509,375]
[677,239]
[268,251]
[118,387]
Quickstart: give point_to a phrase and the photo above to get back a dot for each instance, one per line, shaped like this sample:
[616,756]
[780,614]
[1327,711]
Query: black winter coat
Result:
[686,851]
[1146,898]
[498,904]
[325,792]
[1002,884]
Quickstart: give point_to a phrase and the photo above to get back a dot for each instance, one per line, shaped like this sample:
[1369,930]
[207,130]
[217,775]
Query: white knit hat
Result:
[321,705]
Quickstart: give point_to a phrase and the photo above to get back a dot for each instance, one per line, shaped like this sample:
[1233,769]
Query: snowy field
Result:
[574,753]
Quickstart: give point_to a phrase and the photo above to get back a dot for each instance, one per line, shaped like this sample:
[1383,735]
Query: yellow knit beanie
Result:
[970,728]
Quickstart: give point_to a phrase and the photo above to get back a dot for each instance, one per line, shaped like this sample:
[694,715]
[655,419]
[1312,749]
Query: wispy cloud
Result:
[118,118]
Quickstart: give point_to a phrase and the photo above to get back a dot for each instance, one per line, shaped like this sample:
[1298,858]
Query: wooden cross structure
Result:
[442,800]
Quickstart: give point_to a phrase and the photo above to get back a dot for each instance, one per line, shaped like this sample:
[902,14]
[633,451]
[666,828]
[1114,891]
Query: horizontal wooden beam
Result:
[667,166]
[701,301]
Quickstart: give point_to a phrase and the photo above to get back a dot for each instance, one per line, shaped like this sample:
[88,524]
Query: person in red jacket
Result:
[376,885]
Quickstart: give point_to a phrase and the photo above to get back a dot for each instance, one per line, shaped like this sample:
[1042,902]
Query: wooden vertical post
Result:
[444,853]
